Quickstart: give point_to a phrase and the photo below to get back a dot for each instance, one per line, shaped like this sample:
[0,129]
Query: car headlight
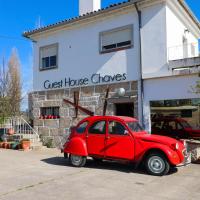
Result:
[175,146]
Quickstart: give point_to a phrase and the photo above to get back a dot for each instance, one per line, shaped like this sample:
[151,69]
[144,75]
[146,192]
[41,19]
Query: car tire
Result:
[157,164]
[77,161]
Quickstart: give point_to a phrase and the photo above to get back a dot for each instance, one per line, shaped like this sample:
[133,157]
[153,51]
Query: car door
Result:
[119,143]
[96,138]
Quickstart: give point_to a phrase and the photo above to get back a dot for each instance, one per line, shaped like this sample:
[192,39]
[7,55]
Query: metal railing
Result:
[19,127]
[183,51]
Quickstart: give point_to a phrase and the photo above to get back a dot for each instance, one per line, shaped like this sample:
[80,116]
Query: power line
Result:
[13,38]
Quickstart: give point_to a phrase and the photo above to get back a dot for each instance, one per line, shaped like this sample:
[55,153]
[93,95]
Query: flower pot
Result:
[25,144]
[5,145]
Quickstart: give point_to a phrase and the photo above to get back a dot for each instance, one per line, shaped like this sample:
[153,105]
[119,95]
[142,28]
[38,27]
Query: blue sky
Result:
[17,16]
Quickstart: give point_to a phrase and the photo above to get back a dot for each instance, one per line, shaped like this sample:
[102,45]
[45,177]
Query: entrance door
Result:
[119,143]
[125,109]
[96,138]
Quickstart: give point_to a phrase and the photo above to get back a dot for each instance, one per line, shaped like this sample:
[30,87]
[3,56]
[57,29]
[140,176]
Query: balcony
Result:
[183,51]
[185,66]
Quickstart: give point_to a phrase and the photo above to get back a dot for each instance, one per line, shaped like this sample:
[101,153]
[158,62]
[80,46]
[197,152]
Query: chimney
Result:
[86,6]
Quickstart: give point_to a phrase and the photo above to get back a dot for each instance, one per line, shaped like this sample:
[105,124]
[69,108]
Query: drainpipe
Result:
[140,81]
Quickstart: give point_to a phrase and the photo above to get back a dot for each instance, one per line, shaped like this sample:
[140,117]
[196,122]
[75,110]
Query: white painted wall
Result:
[168,88]
[79,57]
[78,54]
[176,26]
[154,47]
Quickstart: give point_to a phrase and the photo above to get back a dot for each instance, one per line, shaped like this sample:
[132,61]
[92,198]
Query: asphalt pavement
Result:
[46,175]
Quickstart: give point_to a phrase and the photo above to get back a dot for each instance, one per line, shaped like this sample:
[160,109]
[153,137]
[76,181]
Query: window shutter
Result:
[48,51]
[117,36]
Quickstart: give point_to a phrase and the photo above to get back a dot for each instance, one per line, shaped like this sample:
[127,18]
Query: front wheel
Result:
[156,164]
[77,161]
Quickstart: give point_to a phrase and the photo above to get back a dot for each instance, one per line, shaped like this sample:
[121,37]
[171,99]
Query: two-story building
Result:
[145,51]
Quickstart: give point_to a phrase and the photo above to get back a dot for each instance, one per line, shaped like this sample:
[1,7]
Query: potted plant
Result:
[25,144]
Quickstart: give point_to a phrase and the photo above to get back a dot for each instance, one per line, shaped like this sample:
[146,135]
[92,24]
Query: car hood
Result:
[156,138]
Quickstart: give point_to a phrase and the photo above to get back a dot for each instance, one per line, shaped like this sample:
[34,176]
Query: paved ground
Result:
[45,175]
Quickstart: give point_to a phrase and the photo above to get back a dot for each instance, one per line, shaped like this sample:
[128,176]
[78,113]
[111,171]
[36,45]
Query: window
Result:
[116,128]
[49,113]
[48,57]
[98,128]
[176,117]
[116,39]
[81,128]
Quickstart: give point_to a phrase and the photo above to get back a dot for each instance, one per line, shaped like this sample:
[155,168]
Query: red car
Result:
[122,139]
[174,127]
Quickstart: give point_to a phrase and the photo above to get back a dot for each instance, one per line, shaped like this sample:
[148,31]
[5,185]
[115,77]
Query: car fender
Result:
[171,155]
[76,146]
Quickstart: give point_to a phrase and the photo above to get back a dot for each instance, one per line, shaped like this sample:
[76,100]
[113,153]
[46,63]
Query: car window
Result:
[135,126]
[179,126]
[157,125]
[81,128]
[116,128]
[169,126]
[98,127]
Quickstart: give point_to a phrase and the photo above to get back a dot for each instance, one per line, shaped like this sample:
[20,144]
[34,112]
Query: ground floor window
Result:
[49,113]
[176,118]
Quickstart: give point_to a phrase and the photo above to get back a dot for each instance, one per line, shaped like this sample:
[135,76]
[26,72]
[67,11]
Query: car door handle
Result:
[107,138]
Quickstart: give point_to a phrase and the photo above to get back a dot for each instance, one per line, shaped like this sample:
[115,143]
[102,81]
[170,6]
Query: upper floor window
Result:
[116,39]
[48,57]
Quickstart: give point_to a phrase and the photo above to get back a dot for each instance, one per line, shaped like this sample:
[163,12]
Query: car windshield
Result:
[185,124]
[134,126]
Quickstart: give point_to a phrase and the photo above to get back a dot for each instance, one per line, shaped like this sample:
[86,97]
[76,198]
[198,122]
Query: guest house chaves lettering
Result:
[94,79]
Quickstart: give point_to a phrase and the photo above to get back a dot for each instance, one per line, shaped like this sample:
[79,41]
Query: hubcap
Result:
[156,164]
[76,160]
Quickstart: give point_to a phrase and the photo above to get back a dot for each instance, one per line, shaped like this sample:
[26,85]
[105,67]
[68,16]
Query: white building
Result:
[143,46]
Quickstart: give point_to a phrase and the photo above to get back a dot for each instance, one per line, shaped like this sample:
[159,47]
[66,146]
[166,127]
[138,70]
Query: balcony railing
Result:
[183,51]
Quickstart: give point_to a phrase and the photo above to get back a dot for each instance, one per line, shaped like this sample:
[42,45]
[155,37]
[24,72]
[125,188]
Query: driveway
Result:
[46,175]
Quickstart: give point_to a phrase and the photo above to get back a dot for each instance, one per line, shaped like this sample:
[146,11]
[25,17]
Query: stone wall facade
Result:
[91,97]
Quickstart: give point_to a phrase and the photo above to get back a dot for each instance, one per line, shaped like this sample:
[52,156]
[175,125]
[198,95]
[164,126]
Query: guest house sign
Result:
[93,79]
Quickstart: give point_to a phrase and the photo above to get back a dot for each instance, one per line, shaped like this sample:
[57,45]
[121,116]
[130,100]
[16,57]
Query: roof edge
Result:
[28,34]
[116,6]
[190,12]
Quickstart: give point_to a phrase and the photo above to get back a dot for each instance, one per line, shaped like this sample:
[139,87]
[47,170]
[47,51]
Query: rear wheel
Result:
[77,161]
[157,164]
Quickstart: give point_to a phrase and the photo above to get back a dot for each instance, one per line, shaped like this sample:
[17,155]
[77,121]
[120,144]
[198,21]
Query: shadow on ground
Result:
[104,165]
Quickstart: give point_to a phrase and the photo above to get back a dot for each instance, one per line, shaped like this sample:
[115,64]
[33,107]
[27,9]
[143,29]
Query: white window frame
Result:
[41,68]
[130,26]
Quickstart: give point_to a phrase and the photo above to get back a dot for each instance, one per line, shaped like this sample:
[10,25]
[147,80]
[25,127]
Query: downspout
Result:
[140,81]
